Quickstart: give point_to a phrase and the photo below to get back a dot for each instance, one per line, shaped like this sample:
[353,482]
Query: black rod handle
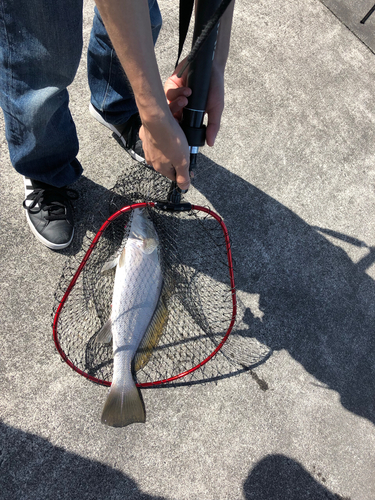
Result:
[199,75]
[198,79]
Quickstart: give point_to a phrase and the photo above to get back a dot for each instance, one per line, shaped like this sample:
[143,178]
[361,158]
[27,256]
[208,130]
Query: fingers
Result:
[174,81]
[183,178]
[180,175]
[214,114]
[215,105]
[213,127]
[174,93]
[177,93]
[177,100]
[167,151]
[177,106]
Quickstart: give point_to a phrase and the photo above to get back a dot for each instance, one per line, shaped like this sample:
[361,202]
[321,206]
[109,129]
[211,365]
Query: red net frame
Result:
[84,261]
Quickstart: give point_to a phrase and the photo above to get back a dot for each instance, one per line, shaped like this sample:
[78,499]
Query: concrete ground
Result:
[293,175]
[357,16]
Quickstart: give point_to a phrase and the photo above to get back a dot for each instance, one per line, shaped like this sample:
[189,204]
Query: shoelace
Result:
[51,200]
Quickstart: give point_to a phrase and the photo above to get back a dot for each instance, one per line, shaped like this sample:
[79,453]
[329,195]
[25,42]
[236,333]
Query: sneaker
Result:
[127,135]
[49,213]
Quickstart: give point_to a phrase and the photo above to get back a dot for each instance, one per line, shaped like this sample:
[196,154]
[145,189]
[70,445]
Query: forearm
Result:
[164,144]
[128,25]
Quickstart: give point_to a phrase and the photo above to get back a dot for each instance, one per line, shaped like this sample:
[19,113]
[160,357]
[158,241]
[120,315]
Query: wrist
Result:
[156,119]
[152,110]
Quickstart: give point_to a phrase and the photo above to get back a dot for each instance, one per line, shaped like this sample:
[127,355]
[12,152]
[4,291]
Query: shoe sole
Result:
[111,127]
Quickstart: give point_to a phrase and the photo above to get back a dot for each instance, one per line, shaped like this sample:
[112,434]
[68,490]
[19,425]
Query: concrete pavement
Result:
[293,175]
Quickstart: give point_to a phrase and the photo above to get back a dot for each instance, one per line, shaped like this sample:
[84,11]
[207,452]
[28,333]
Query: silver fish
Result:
[136,294]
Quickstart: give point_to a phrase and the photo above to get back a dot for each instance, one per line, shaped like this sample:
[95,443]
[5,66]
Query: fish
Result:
[137,318]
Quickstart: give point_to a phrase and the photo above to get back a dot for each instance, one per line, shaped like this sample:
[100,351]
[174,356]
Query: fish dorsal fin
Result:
[154,330]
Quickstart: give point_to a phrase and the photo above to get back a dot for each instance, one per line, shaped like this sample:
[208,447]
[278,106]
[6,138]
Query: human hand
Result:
[177,92]
[164,143]
[166,148]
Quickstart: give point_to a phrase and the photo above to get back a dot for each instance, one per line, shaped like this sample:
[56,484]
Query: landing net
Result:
[197,270]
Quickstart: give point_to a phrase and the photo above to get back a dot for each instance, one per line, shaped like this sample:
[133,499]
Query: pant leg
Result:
[110,90]
[41,45]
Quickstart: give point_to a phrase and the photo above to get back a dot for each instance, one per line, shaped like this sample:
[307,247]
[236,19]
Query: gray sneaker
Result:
[127,135]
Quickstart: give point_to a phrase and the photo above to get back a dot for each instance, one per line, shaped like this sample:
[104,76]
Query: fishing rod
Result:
[199,61]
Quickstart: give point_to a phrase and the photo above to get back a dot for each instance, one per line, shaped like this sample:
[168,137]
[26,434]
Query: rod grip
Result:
[199,75]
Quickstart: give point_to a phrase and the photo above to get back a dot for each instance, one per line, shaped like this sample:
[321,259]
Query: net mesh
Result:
[194,262]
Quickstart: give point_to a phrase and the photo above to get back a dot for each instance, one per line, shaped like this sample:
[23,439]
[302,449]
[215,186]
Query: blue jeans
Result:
[40,50]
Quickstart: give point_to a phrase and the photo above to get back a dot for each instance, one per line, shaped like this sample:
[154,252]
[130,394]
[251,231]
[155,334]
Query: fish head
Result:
[143,230]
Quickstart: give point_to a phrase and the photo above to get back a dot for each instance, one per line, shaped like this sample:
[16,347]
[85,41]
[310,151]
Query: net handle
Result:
[110,219]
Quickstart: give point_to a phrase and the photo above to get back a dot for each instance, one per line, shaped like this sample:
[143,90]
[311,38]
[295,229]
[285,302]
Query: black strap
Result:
[186,10]
[369,13]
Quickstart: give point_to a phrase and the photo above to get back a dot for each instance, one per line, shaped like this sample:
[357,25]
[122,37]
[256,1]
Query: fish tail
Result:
[123,406]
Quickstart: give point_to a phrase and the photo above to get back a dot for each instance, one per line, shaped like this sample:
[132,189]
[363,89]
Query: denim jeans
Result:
[40,50]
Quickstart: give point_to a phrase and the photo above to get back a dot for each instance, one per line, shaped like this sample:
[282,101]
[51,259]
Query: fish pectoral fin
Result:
[123,407]
[149,245]
[105,334]
[110,264]
[121,261]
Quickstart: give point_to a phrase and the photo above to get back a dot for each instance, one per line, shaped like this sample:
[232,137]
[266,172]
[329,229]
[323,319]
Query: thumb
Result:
[213,128]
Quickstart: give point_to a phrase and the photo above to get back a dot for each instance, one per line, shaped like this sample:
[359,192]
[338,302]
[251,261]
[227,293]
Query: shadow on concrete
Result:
[277,477]
[33,468]
[90,211]
[316,303]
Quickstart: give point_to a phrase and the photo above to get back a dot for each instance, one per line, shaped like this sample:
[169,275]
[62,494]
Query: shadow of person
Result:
[91,209]
[33,468]
[277,477]
[314,301]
